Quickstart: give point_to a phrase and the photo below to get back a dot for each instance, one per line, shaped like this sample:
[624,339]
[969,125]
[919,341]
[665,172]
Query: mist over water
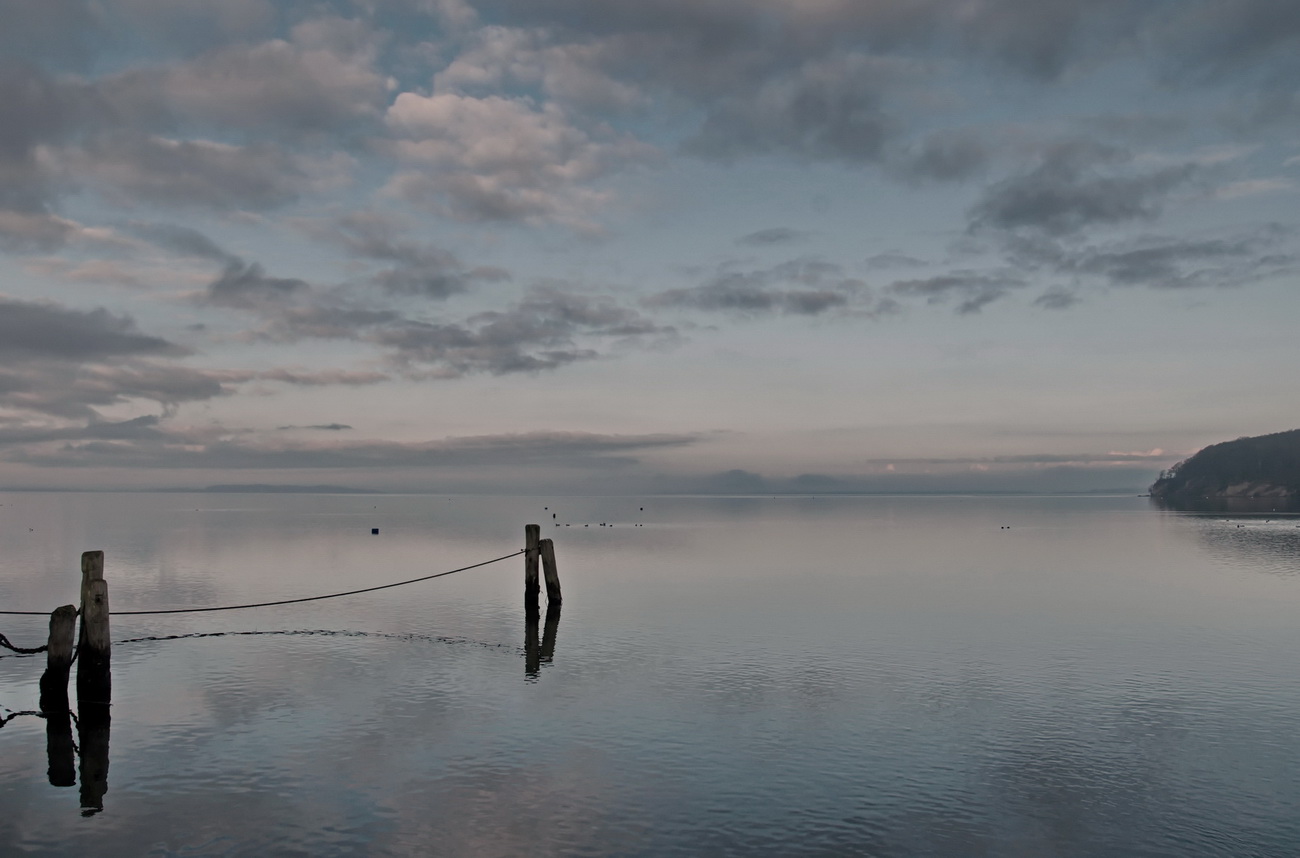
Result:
[884,676]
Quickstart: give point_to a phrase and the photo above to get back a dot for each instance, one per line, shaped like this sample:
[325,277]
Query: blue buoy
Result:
[374,530]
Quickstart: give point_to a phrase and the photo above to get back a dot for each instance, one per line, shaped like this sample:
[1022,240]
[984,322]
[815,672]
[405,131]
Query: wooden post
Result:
[58,659]
[94,682]
[532,589]
[551,573]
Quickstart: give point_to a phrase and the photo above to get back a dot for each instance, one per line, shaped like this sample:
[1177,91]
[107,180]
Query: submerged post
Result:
[532,589]
[58,659]
[94,682]
[552,574]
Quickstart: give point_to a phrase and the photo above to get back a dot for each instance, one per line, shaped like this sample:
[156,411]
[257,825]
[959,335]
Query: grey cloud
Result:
[182,240]
[139,428]
[48,331]
[322,378]
[246,285]
[818,287]
[418,268]
[769,237]
[195,173]
[74,392]
[1208,39]
[1067,192]
[894,259]
[195,24]
[570,448]
[1165,263]
[950,155]
[322,80]
[35,110]
[1056,299]
[971,290]
[829,108]
[55,33]
[544,331]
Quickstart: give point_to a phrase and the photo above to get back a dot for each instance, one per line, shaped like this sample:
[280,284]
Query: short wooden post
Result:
[94,681]
[551,573]
[532,589]
[58,659]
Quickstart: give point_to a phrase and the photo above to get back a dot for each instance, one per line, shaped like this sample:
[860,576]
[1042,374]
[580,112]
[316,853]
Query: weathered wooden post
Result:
[58,659]
[552,574]
[532,589]
[94,681]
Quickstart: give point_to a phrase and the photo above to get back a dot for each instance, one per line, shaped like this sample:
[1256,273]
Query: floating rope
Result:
[4,642]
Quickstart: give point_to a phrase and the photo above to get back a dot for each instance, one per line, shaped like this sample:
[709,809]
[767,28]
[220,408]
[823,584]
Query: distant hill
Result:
[1263,468]
[313,490]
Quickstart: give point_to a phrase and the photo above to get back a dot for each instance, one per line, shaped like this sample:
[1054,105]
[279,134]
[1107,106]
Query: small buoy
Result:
[374,531]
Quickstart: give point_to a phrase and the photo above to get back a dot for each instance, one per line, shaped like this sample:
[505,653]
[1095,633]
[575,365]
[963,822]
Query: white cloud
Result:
[498,158]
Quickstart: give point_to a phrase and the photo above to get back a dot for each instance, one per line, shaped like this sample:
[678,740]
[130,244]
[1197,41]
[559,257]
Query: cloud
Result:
[324,427]
[134,167]
[549,329]
[246,285]
[322,79]
[971,290]
[769,237]
[417,268]
[827,109]
[573,449]
[1056,299]
[805,287]
[497,158]
[949,155]
[182,240]
[31,330]
[1068,192]
[1164,262]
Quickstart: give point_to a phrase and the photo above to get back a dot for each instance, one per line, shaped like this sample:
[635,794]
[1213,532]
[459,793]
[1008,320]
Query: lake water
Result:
[882,676]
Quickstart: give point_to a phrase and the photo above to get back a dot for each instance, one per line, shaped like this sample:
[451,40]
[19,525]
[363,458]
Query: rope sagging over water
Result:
[283,601]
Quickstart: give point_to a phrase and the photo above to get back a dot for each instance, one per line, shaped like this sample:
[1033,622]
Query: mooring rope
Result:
[290,601]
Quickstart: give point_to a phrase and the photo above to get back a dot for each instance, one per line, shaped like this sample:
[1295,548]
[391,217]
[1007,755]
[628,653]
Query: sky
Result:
[595,246]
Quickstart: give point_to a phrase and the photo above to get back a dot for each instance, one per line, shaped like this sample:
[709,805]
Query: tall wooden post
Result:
[94,682]
[58,659]
[532,589]
[552,574]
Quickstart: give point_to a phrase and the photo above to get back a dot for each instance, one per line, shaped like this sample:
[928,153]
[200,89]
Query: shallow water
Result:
[739,676]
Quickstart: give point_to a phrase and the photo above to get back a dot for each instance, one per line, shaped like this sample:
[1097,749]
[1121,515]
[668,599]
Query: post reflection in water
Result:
[92,730]
[536,654]
[60,750]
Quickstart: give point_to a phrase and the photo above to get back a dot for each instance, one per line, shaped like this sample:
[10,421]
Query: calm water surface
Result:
[739,676]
